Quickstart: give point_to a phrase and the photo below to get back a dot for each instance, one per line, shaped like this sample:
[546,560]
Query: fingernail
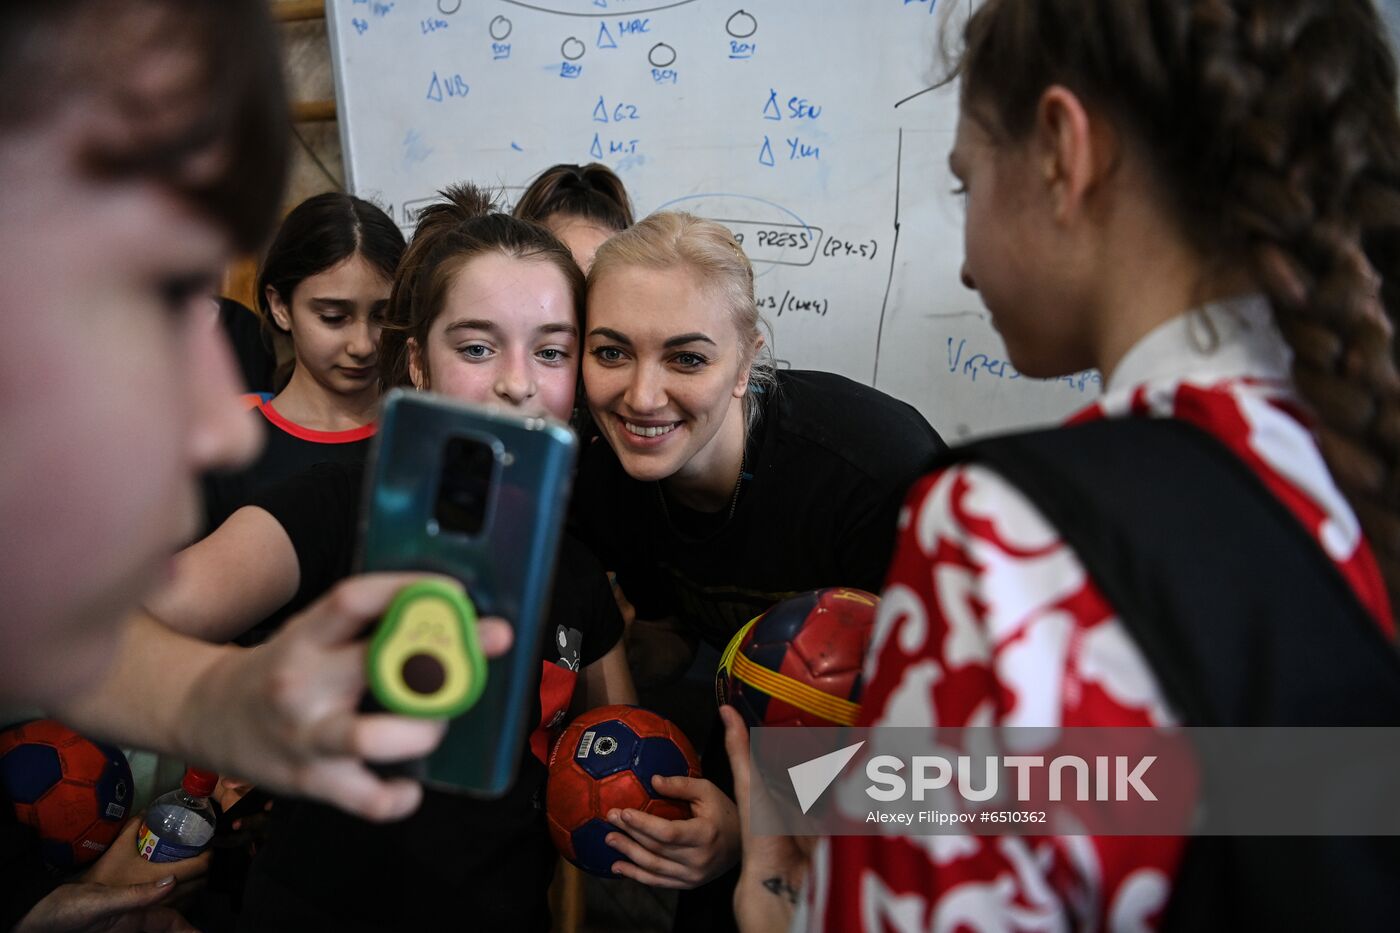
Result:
[615,869]
[166,882]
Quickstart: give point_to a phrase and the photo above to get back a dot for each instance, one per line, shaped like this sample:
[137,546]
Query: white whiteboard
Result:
[800,123]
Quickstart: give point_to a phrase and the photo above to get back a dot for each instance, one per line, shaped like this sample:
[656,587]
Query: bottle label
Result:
[152,848]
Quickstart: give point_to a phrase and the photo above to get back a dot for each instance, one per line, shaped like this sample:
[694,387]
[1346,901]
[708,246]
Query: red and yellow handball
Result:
[799,663]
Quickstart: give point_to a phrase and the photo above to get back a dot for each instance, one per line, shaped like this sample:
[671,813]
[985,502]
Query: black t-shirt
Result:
[487,862]
[289,450]
[251,347]
[826,469]
[26,879]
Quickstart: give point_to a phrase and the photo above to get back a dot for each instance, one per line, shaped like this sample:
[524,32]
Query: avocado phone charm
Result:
[425,658]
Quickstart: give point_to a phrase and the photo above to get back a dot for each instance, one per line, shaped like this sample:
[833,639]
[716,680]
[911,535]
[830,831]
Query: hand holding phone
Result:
[476,495]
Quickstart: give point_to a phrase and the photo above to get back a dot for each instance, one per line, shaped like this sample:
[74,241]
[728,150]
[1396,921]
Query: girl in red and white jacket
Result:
[1200,199]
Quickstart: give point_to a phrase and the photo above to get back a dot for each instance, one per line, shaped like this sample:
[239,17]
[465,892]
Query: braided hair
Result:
[1274,124]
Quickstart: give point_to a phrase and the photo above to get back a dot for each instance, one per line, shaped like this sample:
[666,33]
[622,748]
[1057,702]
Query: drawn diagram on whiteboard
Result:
[741,25]
[820,144]
[765,153]
[661,55]
[768,232]
[592,9]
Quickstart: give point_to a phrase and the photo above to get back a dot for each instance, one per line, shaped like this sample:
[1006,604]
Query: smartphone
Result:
[478,495]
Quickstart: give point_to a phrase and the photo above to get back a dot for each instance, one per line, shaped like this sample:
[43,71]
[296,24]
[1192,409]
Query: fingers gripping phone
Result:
[480,496]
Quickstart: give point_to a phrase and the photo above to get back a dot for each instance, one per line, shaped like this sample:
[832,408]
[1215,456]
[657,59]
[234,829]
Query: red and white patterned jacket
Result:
[988,618]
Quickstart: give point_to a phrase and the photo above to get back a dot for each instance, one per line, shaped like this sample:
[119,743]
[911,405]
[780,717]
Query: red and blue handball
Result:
[74,792]
[603,761]
[799,663]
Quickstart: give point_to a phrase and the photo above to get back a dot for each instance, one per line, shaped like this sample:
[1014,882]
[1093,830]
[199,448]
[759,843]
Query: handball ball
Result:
[75,793]
[605,760]
[799,663]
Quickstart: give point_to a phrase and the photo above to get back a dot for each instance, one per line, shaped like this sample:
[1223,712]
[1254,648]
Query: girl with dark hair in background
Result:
[325,283]
[582,205]
[1202,200]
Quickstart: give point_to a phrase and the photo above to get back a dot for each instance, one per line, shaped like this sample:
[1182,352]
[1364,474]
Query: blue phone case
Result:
[507,567]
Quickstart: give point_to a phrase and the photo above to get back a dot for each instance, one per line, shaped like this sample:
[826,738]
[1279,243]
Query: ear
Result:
[1074,150]
[417,372]
[741,387]
[281,314]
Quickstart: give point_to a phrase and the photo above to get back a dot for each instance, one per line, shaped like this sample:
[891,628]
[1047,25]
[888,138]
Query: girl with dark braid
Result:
[1201,198]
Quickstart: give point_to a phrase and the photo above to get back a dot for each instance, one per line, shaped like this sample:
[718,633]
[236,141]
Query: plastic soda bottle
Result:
[179,824]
